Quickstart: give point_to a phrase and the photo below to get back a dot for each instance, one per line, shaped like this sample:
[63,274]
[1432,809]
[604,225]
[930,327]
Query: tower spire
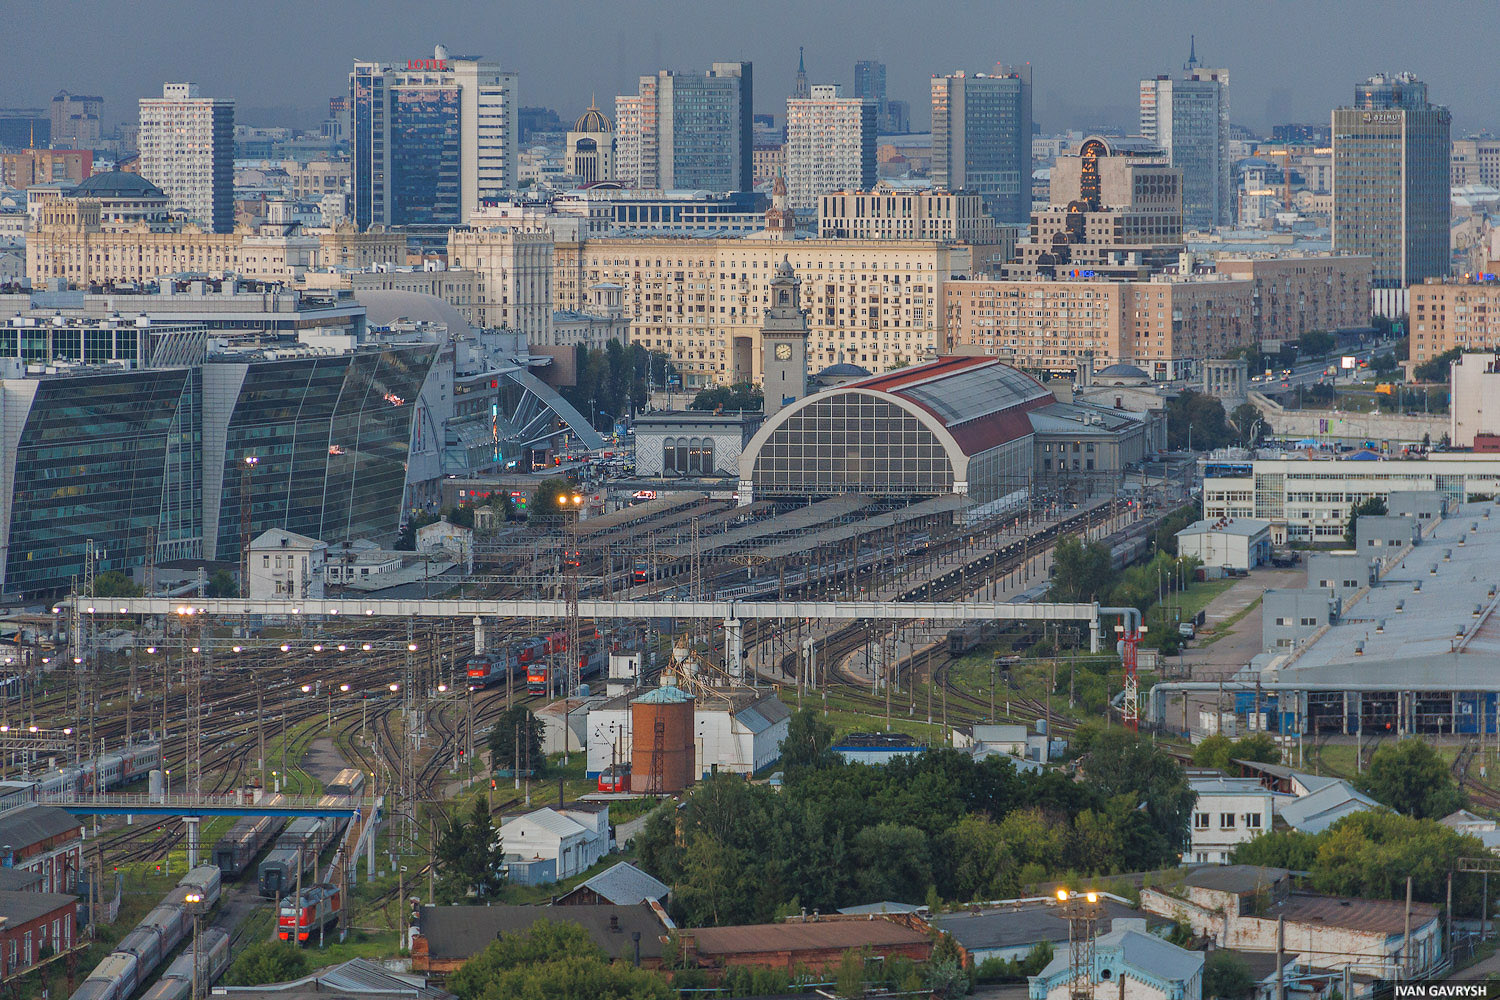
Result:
[1192,62]
[801,67]
[801,89]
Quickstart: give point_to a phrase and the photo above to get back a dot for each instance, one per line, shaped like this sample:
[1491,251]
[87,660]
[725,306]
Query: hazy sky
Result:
[1289,60]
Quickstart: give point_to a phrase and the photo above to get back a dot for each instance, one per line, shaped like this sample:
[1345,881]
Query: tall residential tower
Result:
[830,145]
[688,130]
[187,150]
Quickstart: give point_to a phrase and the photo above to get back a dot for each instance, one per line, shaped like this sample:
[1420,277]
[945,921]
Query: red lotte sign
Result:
[426,65]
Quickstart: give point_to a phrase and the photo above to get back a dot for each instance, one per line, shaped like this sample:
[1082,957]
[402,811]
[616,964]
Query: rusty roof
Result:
[816,935]
[1382,916]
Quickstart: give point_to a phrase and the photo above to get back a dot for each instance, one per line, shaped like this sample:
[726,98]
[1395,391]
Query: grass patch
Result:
[1220,629]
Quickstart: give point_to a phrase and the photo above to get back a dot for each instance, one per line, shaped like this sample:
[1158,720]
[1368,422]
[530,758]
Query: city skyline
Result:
[1082,78]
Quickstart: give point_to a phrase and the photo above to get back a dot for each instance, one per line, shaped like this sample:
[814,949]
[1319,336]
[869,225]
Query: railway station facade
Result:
[959,425]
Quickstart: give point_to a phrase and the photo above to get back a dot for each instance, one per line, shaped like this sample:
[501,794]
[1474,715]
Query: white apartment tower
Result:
[830,145]
[187,150]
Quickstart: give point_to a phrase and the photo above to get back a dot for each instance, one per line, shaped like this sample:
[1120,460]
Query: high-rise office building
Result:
[1189,120]
[432,139]
[981,138]
[1390,180]
[830,145]
[869,80]
[688,130]
[75,119]
[187,150]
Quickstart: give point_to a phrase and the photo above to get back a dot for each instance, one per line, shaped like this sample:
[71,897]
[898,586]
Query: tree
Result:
[223,584]
[1080,571]
[1248,423]
[267,962]
[1411,778]
[1373,506]
[1226,975]
[1384,364]
[891,862]
[1123,764]
[1436,369]
[850,982]
[1219,751]
[740,396]
[546,506]
[470,856]
[113,583]
[502,741]
[808,742]
[1315,344]
[1196,419]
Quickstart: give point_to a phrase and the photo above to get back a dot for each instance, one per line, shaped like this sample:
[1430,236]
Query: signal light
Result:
[492,784]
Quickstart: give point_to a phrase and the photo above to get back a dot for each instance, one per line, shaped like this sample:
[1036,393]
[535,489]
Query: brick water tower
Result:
[662,752]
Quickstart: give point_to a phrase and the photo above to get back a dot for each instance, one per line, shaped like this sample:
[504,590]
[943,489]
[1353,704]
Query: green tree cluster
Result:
[267,962]
[1411,778]
[1014,970]
[1226,975]
[740,396]
[1248,424]
[223,584]
[1315,344]
[612,382]
[517,720]
[470,857]
[1221,752]
[1436,369]
[1083,572]
[937,825]
[1371,853]
[113,583]
[1197,419]
[553,961]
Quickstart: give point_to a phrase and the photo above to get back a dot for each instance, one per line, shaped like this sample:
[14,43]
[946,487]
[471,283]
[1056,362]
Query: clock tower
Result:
[783,341]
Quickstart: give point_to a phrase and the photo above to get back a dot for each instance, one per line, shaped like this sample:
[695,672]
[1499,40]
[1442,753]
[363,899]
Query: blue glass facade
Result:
[424,155]
[122,458]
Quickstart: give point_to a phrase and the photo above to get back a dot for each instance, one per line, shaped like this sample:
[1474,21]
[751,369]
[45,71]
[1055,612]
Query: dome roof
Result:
[117,184]
[1122,370]
[593,120]
[384,306]
[842,370]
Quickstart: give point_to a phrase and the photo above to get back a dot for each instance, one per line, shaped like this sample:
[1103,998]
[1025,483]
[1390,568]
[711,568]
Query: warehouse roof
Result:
[19,907]
[810,935]
[1162,960]
[1023,925]
[1247,526]
[462,931]
[625,885]
[1238,879]
[30,824]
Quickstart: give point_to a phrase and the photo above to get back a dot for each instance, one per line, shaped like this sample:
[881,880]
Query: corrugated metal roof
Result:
[626,885]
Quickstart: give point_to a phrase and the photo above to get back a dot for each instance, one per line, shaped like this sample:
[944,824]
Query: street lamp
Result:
[1082,912]
[194,902]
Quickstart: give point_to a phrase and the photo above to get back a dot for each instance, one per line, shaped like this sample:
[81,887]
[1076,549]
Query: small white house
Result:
[284,564]
[360,561]
[1238,543]
[1229,811]
[452,540]
[575,837]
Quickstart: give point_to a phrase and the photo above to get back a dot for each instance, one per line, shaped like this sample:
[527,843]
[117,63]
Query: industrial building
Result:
[1401,640]
[736,730]
[1241,543]
[1312,496]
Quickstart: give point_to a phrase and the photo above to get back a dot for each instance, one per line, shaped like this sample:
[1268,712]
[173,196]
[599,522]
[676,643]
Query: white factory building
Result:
[736,730]
[1237,543]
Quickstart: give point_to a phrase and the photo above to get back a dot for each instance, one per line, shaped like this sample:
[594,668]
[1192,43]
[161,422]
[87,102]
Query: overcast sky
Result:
[1289,60]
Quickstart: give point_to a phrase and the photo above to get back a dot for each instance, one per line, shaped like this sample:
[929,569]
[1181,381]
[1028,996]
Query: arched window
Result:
[708,456]
[682,456]
[668,455]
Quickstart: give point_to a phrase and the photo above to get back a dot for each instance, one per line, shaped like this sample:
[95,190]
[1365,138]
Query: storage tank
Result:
[662,754]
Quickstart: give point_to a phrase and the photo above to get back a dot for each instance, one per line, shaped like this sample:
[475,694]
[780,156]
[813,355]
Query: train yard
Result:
[236,703]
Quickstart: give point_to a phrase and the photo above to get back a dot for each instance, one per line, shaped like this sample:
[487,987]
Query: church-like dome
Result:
[593,120]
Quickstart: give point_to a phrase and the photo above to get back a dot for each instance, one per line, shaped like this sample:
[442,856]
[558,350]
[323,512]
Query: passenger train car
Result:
[176,982]
[235,852]
[304,839]
[106,773]
[142,950]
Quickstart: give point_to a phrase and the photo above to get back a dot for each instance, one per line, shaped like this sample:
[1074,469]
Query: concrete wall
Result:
[1382,536]
[1377,427]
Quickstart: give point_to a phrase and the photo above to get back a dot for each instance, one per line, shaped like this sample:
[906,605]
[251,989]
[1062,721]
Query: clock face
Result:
[783,352]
